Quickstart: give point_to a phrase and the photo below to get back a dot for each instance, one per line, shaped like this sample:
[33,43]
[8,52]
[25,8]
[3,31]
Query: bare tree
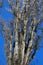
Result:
[19,51]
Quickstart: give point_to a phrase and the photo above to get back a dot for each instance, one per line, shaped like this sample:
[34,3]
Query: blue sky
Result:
[38,58]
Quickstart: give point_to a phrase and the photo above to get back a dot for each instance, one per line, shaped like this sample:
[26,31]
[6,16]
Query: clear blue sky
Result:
[38,58]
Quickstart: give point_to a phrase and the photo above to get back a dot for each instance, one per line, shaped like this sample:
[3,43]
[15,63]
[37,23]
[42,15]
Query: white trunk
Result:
[23,42]
[10,54]
[16,43]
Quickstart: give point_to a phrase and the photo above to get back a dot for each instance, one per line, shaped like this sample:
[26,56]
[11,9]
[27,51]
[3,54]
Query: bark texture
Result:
[19,51]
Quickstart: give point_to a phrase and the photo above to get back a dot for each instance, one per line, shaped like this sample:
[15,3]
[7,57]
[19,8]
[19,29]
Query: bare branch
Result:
[17,48]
